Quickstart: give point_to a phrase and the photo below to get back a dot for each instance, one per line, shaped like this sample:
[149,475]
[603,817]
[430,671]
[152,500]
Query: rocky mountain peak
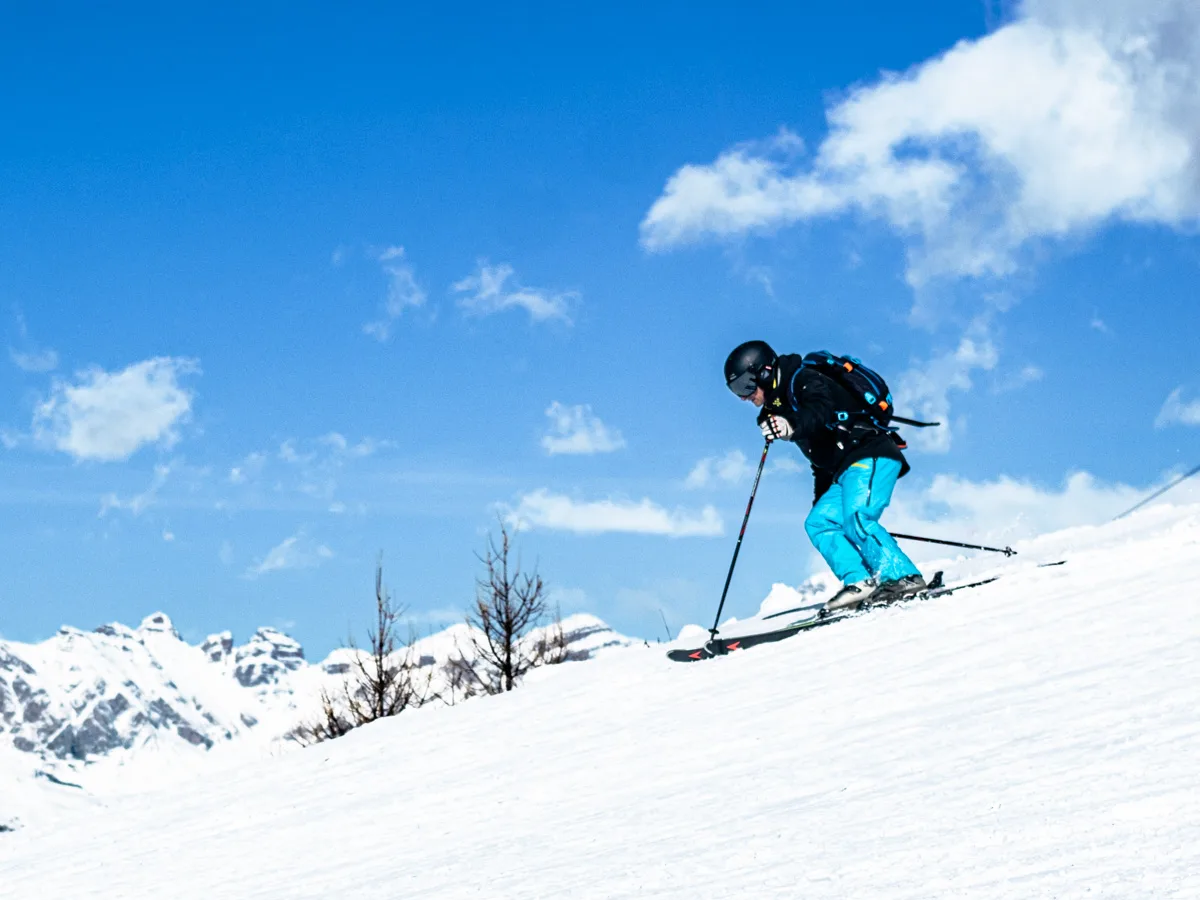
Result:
[218,647]
[158,622]
[116,630]
[81,696]
[265,657]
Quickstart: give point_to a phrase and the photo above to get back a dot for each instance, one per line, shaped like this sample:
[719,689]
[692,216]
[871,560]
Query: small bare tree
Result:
[385,680]
[551,647]
[330,724]
[385,685]
[460,679]
[509,604]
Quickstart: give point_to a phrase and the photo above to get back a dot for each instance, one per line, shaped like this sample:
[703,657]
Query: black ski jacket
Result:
[810,401]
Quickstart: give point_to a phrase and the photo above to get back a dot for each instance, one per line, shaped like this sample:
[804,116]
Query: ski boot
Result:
[898,589]
[851,596]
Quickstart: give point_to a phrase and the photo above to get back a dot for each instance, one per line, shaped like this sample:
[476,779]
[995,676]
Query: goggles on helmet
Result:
[744,385]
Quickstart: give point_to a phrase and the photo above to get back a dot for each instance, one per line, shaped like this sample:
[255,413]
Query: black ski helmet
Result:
[748,367]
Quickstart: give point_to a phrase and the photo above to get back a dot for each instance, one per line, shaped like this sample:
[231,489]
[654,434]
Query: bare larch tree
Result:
[509,604]
[385,680]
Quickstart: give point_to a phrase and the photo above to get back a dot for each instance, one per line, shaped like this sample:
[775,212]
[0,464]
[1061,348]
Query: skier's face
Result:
[758,398]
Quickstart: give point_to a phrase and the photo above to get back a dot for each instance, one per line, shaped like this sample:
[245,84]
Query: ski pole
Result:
[1160,492]
[1007,551]
[914,422]
[666,627]
[741,534]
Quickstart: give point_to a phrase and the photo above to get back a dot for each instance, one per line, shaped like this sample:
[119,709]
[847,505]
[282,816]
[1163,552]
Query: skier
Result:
[855,464]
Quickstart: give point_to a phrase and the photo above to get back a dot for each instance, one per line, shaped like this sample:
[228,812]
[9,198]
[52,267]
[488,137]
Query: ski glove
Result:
[776,428]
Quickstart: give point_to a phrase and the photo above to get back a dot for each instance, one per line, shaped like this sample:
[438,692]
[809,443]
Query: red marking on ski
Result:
[734,646]
[696,655]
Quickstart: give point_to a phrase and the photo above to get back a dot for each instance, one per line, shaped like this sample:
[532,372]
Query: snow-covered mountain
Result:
[82,705]
[1034,737]
[82,694]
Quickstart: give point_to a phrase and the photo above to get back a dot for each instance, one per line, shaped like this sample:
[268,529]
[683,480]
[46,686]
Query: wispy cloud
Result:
[34,360]
[489,292]
[556,512]
[575,429]
[1177,411]
[403,293]
[310,466]
[366,447]
[791,465]
[111,415]
[761,275]
[248,469]
[31,358]
[437,618]
[296,552]
[1078,114]
[289,453]
[139,503]
[1013,381]
[1005,508]
[923,392]
[731,468]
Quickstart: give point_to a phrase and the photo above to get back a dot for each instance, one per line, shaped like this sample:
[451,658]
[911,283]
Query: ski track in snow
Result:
[1035,737]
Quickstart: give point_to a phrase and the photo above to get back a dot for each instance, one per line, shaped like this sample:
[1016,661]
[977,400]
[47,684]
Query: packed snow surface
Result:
[1035,737]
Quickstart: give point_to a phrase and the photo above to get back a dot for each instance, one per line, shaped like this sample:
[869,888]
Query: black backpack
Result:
[863,383]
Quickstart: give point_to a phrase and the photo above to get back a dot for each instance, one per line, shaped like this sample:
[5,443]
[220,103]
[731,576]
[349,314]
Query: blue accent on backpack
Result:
[862,382]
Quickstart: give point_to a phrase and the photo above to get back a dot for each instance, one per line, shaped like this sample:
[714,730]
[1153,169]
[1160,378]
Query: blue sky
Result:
[287,287]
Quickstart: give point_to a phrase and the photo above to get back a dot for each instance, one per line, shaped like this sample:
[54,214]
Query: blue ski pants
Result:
[844,524]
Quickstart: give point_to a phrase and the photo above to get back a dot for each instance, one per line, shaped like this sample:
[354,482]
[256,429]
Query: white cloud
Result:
[403,293]
[923,392]
[1016,380]
[296,552]
[168,535]
[790,465]
[731,468]
[110,415]
[34,360]
[1005,509]
[761,276]
[1177,412]
[438,618]
[248,469]
[366,447]
[1074,114]
[141,502]
[289,454]
[313,467]
[574,429]
[569,600]
[487,293]
[555,512]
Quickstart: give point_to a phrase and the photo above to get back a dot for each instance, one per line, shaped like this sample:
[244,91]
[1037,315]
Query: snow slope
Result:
[1036,737]
[89,715]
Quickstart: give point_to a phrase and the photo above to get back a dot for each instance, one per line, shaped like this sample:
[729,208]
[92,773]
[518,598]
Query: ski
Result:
[720,646]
